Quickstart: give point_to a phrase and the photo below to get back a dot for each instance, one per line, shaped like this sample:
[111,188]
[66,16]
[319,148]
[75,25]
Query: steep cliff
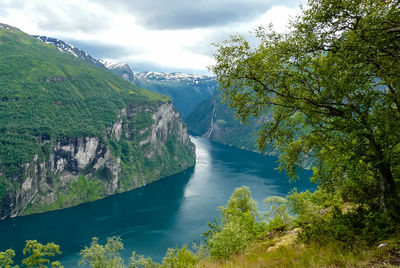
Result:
[216,121]
[71,132]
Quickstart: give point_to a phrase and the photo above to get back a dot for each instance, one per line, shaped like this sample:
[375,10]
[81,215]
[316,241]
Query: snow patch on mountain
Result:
[173,77]
[113,65]
[69,48]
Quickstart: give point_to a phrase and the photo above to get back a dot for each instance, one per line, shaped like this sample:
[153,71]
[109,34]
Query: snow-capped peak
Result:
[172,77]
[113,65]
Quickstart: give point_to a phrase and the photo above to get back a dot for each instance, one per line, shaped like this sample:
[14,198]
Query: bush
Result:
[179,258]
[278,215]
[98,256]
[233,238]
[238,225]
[323,215]
[6,258]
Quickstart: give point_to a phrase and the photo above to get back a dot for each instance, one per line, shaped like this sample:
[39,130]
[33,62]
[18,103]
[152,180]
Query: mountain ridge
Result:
[72,132]
[185,90]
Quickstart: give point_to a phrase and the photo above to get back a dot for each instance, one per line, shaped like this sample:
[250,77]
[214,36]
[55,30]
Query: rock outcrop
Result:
[72,132]
[145,144]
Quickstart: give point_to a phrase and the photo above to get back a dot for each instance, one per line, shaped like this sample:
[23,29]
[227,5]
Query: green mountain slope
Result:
[215,120]
[185,90]
[61,118]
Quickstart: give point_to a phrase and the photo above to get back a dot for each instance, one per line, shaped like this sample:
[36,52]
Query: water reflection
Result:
[172,211]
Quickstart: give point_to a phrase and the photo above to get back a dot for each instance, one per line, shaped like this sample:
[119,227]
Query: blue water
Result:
[170,212]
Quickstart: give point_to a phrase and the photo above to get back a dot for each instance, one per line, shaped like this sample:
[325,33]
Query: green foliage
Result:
[85,190]
[179,258]
[227,128]
[233,238]
[80,190]
[6,258]
[44,92]
[107,256]
[39,254]
[3,187]
[336,233]
[143,120]
[353,228]
[141,261]
[239,204]
[323,216]
[278,213]
[238,226]
[332,86]
[310,207]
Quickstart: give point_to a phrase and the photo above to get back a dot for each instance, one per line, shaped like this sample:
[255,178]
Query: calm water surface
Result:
[170,212]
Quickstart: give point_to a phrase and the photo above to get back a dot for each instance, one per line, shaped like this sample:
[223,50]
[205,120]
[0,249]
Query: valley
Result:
[195,97]
[72,132]
[169,212]
[199,134]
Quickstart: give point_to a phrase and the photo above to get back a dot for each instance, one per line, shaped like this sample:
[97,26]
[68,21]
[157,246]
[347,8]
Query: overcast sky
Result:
[150,35]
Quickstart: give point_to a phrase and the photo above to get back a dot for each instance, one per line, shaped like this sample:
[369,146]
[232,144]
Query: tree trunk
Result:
[389,198]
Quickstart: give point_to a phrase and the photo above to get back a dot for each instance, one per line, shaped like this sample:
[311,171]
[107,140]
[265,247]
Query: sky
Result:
[149,35]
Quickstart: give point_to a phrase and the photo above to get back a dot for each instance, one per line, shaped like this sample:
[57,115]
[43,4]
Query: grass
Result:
[286,251]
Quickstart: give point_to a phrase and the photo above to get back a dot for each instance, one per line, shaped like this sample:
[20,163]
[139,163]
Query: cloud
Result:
[7,5]
[69,16]
[104,50]
[172,35]
[183,14]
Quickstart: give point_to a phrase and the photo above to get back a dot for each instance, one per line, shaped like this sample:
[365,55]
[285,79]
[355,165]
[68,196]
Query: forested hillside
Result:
[72,132]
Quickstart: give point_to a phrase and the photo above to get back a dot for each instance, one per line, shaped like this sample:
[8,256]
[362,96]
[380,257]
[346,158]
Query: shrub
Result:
[6,258]
[237,228]
[98,256]
[278,215]
[233,238]
[179,258]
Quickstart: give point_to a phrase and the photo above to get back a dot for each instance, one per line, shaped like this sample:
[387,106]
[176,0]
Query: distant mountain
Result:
[121,69]
[216,121]
[194,96]
[65,47]
[185,90]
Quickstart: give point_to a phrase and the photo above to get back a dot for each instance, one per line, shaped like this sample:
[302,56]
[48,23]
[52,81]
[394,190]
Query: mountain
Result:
[121,69]
[72,132]
[185,90]
[216,121]
[71,49]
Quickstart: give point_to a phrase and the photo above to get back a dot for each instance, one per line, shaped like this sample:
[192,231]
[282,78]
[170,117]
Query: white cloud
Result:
[98,24]
[278,16]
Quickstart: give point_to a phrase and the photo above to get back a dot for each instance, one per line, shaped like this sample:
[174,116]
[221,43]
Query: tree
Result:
[330,87]
[6,258]
[278,212]
[39,254]
[98,256]
[179,258]
[237,228]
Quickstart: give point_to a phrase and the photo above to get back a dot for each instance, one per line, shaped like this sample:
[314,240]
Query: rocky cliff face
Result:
[144,144]
[216,121]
